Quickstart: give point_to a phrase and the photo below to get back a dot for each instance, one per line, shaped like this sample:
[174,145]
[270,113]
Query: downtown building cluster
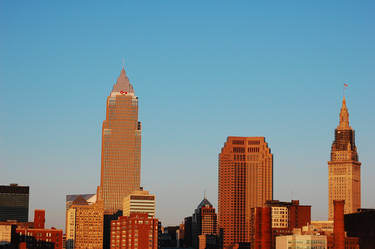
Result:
[122,215]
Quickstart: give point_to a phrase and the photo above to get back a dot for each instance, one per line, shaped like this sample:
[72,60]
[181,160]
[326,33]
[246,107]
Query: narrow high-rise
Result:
[344,169]
[14,202]
[121,146]
[245,182]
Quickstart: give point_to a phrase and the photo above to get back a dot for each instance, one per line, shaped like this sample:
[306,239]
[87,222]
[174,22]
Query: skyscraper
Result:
[121,146]
[344,169]
[14,203]
[204,221]
[245,182]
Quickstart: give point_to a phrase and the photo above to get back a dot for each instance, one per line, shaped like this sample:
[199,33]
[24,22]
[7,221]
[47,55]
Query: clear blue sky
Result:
[203,70]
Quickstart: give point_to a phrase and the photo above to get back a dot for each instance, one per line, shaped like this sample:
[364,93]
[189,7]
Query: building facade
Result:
[344,169]
[14,203]
[137,231]
[85,225]
[89,198]
[204,222]
[121,146]
[209,220]
[285,217]
[245,182]
[300,241]
[36,236]
[139,201]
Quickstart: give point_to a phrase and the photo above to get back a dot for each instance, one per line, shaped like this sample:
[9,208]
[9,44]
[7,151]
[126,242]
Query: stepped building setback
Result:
[344,169]
[245,182]
[121,146]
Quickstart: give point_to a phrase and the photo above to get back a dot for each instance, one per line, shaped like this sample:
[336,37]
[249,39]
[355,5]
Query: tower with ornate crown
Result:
[121,146]
[344,169]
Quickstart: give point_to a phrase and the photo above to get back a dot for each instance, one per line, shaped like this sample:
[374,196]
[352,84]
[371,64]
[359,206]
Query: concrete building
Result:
[85,225]
[14,203]
[121,146]
[344,169]
[245,182]
[325,226]
[89,198]
[139,201]
[301,241]
[136,231]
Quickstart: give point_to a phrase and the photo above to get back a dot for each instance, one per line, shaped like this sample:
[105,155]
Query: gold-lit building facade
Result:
[245,182]
[344,169]
[121,146]
[85,225]
[140,201]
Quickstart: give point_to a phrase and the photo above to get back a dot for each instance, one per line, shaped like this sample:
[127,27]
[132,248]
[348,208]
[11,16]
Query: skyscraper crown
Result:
[123,84]
[344,117]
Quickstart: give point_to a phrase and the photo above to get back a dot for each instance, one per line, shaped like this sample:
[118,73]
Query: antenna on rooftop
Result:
[123,62]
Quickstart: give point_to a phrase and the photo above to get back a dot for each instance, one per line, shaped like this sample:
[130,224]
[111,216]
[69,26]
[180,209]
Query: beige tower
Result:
[121,146]
[344,169]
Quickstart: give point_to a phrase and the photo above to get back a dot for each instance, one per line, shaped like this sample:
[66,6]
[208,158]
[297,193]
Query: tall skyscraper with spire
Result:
[344,169]
[121,146]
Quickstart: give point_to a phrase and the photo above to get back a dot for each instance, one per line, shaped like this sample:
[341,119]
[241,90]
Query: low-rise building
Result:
[301,241]
[136,231]
[140,201]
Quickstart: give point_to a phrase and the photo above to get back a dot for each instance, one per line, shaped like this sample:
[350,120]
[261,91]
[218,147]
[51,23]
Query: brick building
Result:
[136,231]
[285,216]
[38,237]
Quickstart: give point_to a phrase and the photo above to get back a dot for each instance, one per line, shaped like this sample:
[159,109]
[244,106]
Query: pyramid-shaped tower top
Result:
[344,117]
[123,84]
[204,203]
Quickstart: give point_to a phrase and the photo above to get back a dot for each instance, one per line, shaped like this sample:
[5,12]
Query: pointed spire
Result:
[344,116]
[123,84]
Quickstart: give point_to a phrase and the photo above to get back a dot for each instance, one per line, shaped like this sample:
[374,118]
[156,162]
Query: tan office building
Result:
[301,241]
[245,182]
[139,201]
[344,169]
[85,224]
[121,146]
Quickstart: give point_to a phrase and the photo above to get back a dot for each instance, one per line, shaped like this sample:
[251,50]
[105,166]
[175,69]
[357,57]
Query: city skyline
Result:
[52,111]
